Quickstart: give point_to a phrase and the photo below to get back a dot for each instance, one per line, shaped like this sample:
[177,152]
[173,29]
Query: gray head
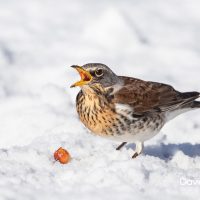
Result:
[96,73]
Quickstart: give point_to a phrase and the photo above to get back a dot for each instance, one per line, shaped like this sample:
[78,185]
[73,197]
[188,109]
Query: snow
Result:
[154,40]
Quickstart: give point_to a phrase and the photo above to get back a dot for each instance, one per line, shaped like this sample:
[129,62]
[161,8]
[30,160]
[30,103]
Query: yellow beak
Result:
[86,77]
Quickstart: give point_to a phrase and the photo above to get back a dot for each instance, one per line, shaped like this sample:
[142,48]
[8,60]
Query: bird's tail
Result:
[189,100]
[195,104]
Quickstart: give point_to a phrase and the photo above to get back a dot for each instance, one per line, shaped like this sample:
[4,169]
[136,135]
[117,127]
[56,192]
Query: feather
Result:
[145,96]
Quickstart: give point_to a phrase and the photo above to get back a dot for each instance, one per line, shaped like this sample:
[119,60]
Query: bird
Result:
[126,109]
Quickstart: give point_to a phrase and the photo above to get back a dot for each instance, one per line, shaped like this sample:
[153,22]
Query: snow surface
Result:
[155,40]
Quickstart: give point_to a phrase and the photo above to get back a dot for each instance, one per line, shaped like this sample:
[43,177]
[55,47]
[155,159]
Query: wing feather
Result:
[145,96]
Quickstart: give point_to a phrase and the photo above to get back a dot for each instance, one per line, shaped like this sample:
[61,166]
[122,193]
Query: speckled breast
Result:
[96,114]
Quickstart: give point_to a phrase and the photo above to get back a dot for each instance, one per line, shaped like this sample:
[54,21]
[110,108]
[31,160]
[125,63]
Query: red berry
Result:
[62,156]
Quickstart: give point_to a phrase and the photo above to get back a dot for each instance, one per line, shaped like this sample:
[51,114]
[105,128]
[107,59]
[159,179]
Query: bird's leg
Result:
[138,149]
[121,145]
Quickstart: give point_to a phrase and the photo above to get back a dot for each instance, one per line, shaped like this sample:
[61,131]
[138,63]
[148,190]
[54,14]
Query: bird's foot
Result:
[138,149]
[135,155]
[121,146]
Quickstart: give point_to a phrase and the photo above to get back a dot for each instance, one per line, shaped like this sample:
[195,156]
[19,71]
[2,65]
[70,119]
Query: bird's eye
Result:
[99,72]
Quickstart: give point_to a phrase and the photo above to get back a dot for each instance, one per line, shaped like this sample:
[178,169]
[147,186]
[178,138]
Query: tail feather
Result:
[196,104]
[189,100]
[190,95]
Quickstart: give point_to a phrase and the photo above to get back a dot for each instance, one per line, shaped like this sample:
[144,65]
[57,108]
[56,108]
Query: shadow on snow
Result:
[167,151]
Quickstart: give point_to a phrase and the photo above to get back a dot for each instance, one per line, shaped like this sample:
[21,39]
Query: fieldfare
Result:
[127,109]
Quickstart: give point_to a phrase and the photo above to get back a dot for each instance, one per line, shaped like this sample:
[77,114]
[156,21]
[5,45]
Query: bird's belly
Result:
[121,127]
[137,134]
[140,130]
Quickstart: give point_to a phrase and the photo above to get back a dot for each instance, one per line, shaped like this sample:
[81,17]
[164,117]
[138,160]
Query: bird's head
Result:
[95,75]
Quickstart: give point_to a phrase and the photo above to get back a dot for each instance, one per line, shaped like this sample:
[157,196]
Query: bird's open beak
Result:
[86,77]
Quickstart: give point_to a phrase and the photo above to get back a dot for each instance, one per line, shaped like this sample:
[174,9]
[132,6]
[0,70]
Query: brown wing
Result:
[146,96]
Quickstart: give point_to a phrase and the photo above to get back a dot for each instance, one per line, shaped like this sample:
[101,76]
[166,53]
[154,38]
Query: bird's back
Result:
[146,96]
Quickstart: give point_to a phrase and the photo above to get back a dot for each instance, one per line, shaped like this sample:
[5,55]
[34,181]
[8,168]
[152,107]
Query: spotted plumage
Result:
[127,109]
